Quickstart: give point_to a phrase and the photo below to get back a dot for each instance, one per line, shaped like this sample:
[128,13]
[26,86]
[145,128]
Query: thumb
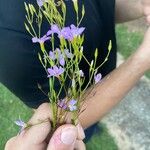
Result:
[64,138]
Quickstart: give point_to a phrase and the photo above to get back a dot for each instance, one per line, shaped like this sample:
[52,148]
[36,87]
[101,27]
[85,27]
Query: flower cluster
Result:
[60,56]
[68,33]
[63,62]
[70,105]
[55,71]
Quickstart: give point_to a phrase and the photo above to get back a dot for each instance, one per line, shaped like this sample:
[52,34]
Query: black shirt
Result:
[20,69]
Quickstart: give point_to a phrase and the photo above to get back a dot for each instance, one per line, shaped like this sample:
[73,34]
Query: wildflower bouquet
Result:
[61,63]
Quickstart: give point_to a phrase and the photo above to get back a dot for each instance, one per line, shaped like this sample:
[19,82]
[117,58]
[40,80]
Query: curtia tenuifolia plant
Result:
[61,63]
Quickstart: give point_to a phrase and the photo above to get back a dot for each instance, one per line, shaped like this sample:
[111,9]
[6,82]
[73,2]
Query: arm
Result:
[127,10]
[116,85]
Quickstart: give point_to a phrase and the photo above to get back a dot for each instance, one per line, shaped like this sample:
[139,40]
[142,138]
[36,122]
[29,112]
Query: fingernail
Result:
[68,135]
[81,134]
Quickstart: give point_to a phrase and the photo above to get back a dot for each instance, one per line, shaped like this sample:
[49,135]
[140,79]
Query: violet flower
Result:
[52,55]
[57,55]
[66,33]
[98,78]
[62,104]
[21,124]
[49,32]
[55,71]
[54,29]
[40,40]
[68,54]
[71,32]
[76,31]
[41,2]
[61,60]
[58,52]
[72,105]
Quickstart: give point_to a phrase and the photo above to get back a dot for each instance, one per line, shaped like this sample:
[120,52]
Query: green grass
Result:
[101,141]
[11,108]
[128,41]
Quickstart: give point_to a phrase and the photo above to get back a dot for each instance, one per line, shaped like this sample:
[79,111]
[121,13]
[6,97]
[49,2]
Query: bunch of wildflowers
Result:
[62,63]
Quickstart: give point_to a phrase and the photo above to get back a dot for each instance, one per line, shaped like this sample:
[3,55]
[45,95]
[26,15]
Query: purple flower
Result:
[57,55]
[49,32]
[40,40]
[72,105]
[35,39]
[21,124]
[55,29]
[68,54]
[62,104]
[97,78]
[52,55]
[66,34]
[81,73]
[61,60]
[55,71]
[76,31]
[41,2]
[58,52]
[69,33]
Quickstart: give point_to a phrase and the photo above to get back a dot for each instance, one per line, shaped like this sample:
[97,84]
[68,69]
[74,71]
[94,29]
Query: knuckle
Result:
[44,111]
[43,106]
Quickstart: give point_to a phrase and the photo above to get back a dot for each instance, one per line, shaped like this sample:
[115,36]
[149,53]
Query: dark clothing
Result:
[20,69]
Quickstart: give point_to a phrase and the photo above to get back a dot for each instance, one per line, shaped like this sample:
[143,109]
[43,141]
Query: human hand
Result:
[66,137]
[146,9]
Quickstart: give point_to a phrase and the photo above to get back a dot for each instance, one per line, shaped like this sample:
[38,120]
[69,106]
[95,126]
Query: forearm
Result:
[111,90]
[127,10]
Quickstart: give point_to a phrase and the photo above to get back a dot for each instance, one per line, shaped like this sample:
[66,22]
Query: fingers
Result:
[79,145]
[80,132]
[41,125]
[43,112]
[9,143]
[64,138]
[148,19]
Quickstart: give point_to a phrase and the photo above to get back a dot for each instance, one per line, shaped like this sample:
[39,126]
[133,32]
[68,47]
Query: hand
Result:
[66,137]
[146,9]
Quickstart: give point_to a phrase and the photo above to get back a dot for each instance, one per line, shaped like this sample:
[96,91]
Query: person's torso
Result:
[19,64]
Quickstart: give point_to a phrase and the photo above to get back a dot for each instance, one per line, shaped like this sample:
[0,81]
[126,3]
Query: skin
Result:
[105,95]
[35,138]
[127,10]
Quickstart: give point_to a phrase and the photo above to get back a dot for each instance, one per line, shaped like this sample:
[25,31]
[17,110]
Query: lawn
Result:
[128,41]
